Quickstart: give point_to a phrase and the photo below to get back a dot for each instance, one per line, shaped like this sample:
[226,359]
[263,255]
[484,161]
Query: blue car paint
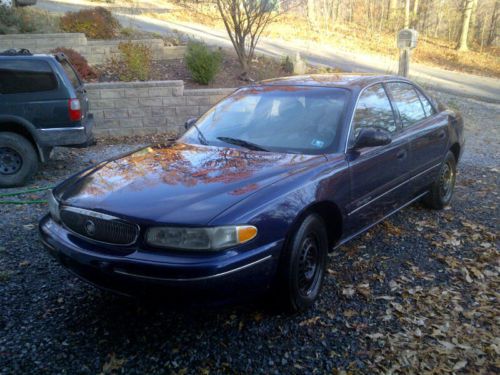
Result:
[269,190]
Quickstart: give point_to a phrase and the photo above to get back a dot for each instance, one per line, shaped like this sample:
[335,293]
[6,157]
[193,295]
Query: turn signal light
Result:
[75,110]
[246,233]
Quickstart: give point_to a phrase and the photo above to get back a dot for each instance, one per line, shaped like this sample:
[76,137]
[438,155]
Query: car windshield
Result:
[294,119]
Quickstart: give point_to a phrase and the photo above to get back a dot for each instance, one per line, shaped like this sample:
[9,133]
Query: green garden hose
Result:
[25,192]
[34,201]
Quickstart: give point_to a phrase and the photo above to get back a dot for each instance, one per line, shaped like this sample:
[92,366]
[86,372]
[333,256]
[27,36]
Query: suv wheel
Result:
[304,265]
[18,160]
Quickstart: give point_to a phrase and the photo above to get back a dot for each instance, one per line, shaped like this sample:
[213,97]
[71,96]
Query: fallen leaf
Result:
[460,365]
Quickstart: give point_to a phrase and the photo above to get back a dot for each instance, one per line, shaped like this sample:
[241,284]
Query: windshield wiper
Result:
[201,137]
[243,143]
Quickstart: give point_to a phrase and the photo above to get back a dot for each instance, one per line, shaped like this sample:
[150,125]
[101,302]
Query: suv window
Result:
[374,111]
[21,76]
[408,103]
[70,72]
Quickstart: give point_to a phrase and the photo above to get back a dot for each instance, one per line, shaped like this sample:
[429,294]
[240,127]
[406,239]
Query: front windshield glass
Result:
[294,119]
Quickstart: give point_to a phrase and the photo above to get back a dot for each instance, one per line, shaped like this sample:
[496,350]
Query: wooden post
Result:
[404,62]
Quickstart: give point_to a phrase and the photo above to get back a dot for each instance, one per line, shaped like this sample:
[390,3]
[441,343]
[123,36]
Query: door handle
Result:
[401,154]
[441,135]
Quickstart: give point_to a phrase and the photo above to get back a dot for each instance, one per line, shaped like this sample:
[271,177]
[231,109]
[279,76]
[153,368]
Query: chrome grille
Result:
[99,227]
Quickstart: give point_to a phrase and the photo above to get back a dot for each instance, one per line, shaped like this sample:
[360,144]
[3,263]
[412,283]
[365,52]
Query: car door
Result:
[377,174]
[426,129]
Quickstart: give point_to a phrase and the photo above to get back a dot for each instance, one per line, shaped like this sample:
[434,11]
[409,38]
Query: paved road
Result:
[485,88]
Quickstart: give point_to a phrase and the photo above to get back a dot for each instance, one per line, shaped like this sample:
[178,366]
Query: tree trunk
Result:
[473,21]
[393,7]
[414,17]
[464,31]
[493,25]
[311,13]
[407,14]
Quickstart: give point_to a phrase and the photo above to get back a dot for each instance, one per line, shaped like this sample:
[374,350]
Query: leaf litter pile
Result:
[443,318]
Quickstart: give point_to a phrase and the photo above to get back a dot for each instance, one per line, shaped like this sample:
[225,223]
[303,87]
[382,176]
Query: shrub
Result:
[79,62]
[26,20]
[96,23]
[287,65]
[202,63]
[136,61]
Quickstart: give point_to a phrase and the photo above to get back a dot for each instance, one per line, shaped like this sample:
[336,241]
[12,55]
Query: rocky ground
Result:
[416,294]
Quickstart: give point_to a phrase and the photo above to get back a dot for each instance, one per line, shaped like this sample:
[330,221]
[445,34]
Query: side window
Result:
[21,76]
[374,111]
[429,110]
[70,72]
[408,103]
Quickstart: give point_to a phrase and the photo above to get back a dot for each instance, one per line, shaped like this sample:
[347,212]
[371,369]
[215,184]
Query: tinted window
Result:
[408,103]
[70,72]
[277,118]
[374,111]
[17,76]
[429,110]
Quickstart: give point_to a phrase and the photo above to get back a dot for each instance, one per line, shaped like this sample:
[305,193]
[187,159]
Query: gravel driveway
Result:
[417,293]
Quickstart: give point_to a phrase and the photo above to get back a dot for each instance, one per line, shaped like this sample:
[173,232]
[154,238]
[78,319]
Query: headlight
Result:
[53,206]
[215,238]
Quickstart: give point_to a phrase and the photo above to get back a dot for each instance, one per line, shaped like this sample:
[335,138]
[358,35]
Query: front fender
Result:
[276,208]
[13,123]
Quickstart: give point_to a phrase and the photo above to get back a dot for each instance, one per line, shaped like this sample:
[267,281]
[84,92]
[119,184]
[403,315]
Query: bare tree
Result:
[493,34]
[464,31]
[245,20]
[415,14]
[407,14]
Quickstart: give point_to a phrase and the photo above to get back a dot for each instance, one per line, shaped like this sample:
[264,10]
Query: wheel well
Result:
[331,215]
[456,151]
[14,128]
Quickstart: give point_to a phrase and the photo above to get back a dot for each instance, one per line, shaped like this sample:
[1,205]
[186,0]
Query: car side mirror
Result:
[372,137]
[190,123]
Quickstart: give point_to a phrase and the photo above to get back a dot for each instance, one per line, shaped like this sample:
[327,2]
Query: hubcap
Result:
[308,265]
[446,182]
[10,161]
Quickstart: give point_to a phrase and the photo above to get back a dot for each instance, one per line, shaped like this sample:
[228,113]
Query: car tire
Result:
[18,160]
[441,190]
[303,265]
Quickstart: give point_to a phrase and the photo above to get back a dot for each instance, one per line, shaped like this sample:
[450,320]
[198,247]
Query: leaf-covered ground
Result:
[416,294]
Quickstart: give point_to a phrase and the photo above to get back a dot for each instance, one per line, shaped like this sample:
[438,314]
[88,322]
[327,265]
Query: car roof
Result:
[29,57]
[343,80]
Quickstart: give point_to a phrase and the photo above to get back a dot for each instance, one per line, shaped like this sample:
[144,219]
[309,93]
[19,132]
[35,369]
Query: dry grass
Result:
[352,37]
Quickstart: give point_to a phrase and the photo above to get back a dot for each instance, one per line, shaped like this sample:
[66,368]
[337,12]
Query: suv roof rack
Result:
[16,52]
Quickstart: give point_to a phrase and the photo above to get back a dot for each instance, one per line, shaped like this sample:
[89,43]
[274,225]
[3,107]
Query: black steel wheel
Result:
[18,160]
[303,265]
[441,191]
[10,161]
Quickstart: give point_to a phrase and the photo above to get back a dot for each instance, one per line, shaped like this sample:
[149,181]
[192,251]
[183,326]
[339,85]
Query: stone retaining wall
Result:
[140,108]
[95,51]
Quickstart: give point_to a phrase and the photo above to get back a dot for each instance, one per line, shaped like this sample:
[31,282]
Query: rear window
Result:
[21,76]
[70,72]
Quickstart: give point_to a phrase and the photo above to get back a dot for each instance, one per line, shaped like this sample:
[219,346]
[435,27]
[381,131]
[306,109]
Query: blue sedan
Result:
[258,190]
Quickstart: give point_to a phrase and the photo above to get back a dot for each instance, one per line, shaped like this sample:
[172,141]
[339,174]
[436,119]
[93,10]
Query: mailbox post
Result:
[407,40]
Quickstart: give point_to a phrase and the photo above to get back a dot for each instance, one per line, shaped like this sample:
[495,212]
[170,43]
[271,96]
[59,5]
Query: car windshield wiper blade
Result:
[201,137]
[243,143]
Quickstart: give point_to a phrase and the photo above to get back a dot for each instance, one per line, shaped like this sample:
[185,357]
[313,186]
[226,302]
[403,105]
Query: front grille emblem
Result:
[90,228]
[99,227]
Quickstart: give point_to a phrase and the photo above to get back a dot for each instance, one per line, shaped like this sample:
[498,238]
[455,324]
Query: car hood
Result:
[180,184]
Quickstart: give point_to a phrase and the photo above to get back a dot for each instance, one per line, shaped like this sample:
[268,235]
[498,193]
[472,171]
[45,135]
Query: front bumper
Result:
[76,136]
[220,277]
